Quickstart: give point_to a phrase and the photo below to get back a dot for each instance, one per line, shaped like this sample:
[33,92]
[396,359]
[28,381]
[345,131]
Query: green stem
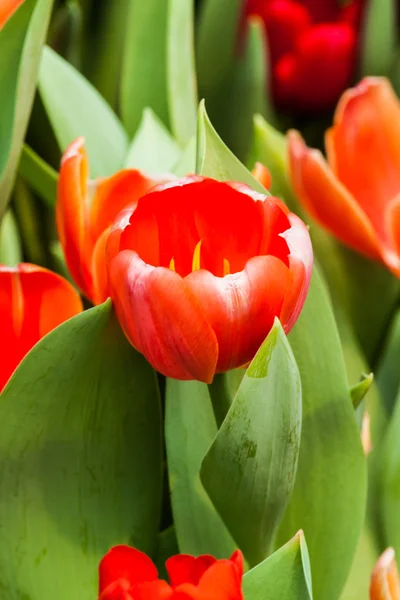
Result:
[220,397]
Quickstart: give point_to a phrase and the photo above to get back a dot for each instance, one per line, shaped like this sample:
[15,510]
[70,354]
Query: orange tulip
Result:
[385,583]
[356,196]
[33,301]
[85,211]
[198,271]
[7,9]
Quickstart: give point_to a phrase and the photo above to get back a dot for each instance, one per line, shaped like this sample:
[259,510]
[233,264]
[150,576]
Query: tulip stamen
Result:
[172,264]
[227,267]
[196,257]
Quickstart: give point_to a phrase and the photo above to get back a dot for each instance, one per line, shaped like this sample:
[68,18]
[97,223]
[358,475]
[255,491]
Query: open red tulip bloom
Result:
[85,211]
[312,46]
[7,9]
[356,196]
[33,301]
[199,270]
[127,574]
[385,583]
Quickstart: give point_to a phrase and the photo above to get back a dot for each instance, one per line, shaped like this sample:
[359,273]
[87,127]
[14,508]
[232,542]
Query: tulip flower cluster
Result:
[199,307]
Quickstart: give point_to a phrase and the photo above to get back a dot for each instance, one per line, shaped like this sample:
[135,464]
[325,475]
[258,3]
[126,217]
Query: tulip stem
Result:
[221,397]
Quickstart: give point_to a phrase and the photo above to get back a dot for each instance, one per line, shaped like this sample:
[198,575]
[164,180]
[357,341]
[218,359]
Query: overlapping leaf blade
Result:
[80,452]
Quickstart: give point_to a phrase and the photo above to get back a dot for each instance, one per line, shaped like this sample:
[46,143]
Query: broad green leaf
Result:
[190,428]
[144,73]
[390,481]
[80,448]
[181,71]
[214,159]
[379,37]
[10,243]
[75,108]
[40,176]
[269,148]
[388,372]
[249,91]
[217,41]
[285,575]
[187,161]
[328,500]
[250,470]
[359,390]
[21,41]
[153,149]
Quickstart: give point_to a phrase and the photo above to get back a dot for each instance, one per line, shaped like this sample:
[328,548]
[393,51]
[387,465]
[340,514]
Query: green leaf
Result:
[388,372]
[217,42]
[40,176]
[390,481]
[181,71]
[360,389]
[357,585]
[10,243]
[81,456]
[189,431]
[328,500]
[214,159]
[187,162]
[144,72]
[285,575]
[269,148]
[153,149]
[167,546]
[75,108]
[379,37]
[248,93]
[21,41]
[250,469]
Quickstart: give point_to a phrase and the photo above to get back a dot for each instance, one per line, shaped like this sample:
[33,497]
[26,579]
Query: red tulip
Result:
[33,301]
[127,574]
[7,9]
[312,48]
[199,270]
[356,196]
[385,583]
[85,212]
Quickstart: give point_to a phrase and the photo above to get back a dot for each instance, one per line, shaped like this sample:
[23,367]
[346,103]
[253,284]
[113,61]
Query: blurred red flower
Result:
[312,48]
[385,582]
[127,574]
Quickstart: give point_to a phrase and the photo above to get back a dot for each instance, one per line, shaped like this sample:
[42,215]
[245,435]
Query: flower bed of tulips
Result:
[199,299]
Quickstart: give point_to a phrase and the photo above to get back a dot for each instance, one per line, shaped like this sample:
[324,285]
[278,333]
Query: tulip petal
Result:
[221,580]
[327,200]
[262,174]
[392,254]
[7,9]
[241,307]
[33,301]
[184,568]
[100,291]
[116,192]
[385,583]
[301,262]
[162,319]
[363,148]
[125,563]
[70,213]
